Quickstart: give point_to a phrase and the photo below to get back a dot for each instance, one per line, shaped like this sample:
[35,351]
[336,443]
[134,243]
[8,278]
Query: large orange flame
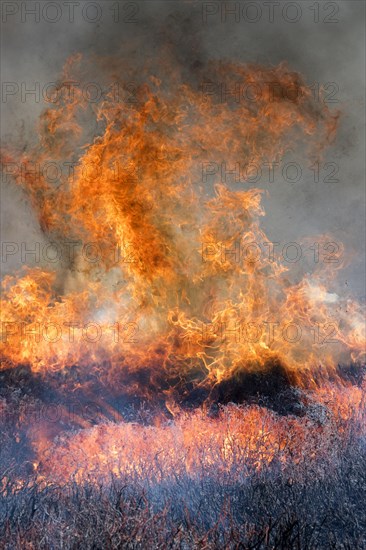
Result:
[170,297]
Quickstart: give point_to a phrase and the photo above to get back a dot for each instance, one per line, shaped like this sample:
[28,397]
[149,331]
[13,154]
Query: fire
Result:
[195,443]
[155,289]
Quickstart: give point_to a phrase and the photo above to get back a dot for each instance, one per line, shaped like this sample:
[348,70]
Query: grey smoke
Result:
[323,52]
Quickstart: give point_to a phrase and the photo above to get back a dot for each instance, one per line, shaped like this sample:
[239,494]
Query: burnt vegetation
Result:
[303,504]
[295,508]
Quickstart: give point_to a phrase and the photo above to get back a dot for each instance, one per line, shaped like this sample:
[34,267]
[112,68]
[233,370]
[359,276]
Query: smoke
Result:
[322,45]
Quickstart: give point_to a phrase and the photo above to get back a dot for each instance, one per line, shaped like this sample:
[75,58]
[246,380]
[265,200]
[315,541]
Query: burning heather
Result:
[161,356]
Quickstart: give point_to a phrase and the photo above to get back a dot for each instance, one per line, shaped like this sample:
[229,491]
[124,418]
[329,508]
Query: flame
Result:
[252,436]
[162,292]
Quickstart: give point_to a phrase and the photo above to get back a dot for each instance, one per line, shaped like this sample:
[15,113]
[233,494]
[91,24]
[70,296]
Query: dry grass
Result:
[309,505]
